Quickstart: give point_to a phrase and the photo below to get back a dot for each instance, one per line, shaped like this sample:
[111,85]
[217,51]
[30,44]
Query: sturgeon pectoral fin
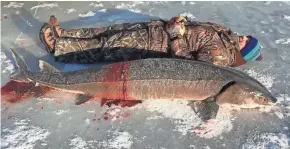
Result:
[82,99]
[206,109]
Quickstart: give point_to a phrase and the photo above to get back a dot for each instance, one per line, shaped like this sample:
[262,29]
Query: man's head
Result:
[250,48]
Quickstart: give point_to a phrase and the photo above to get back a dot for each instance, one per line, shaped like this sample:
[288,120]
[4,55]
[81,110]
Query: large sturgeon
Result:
[154,79]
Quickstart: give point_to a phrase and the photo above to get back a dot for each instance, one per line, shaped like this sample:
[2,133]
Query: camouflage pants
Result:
[109,44]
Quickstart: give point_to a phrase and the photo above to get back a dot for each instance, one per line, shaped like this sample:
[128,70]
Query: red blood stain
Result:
[41,107]
[126,115]
[115,83]
[122,103]
[116,88]
[129,103]
[15,92]
[9,117]
[106,117]
[103,102]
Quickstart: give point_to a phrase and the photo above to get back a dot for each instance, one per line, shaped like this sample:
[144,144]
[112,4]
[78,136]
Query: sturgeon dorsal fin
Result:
[44,66]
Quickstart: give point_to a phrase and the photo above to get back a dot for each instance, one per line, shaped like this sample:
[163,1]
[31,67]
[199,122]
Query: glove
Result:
[176,27]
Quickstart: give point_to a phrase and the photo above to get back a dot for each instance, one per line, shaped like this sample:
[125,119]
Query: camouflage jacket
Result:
[208,42]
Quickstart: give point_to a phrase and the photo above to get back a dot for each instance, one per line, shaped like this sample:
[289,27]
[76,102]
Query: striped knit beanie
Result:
[252,50]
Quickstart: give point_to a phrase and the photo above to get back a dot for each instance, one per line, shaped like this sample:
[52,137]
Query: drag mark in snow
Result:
[238,7]
[36,9]
[18,38]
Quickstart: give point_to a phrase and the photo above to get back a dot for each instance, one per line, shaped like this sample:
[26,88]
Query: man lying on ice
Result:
[177,38]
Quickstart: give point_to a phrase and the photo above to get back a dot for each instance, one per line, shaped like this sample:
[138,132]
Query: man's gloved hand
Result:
[175,27]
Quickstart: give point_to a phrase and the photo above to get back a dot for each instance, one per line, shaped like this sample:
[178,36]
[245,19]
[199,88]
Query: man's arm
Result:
[179,49]
[239,60]
[229,58]
[222,57]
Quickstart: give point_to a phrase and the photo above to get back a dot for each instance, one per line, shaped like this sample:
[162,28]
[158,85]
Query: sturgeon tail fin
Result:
[21,68]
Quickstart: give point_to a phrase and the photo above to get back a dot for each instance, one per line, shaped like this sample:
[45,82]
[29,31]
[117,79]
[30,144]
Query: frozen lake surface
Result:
[55,122]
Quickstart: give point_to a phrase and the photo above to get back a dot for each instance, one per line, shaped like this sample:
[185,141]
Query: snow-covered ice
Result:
[50,122]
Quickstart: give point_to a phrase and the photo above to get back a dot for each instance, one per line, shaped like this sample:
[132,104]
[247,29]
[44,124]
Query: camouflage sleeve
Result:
[179,49]
[176,29]
[222,57]
[92,32]
[218,57]
[218,51]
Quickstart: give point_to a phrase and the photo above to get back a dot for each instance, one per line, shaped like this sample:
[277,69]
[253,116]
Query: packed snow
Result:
[55,122]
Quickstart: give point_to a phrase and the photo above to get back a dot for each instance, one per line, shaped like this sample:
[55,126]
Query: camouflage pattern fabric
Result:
[202,41]
[207,42]
[115,43]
